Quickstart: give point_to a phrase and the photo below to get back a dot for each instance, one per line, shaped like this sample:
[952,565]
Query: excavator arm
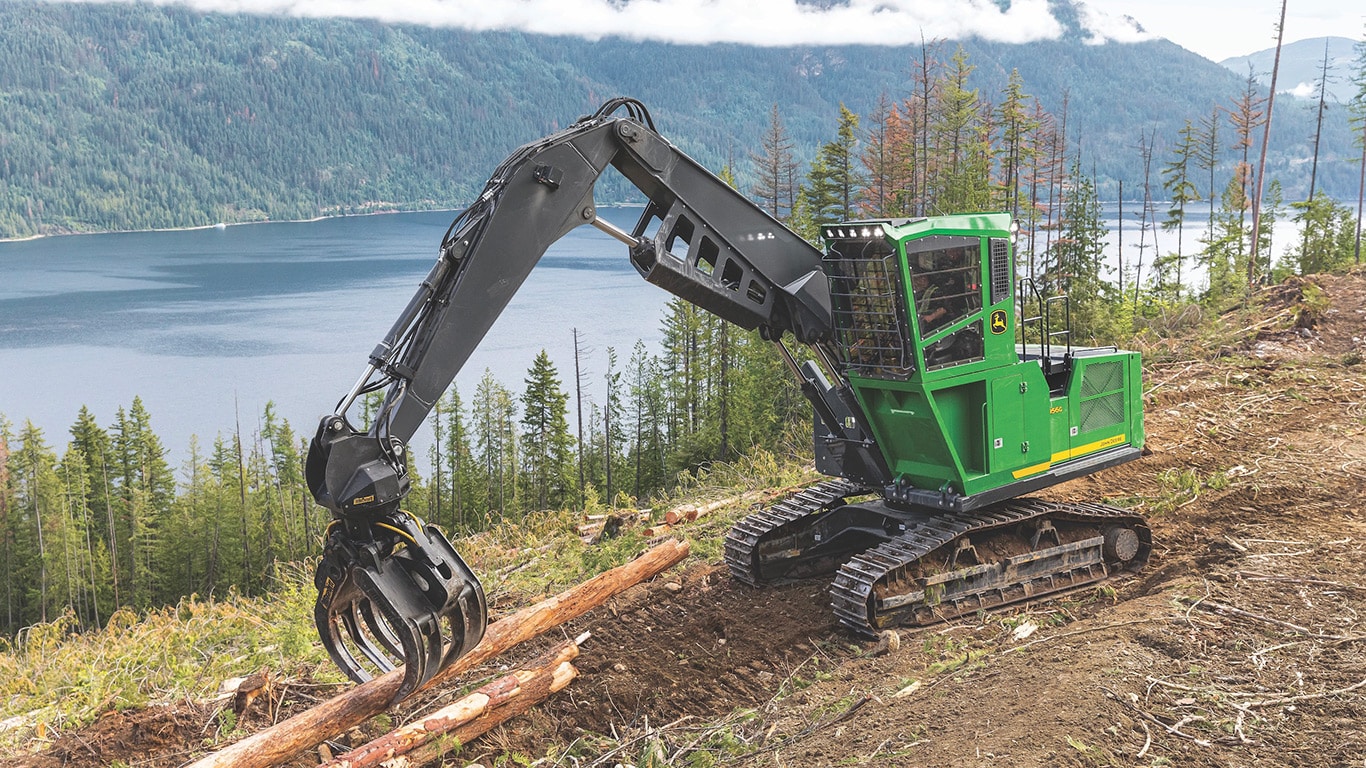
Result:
[393,589]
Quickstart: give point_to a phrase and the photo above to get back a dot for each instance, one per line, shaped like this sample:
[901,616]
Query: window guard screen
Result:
[869,308]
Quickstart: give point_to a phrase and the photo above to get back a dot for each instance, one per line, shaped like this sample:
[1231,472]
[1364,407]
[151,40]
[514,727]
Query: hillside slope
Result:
[1242,643]
[125,116]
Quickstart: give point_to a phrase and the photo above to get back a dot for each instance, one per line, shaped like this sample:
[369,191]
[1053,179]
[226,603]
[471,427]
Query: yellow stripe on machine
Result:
[1071,453]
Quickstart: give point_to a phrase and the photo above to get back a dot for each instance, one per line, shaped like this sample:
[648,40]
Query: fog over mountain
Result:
[750,22]
[1302,67]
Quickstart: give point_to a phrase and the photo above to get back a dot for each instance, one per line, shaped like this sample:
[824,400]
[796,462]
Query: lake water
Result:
[206,325]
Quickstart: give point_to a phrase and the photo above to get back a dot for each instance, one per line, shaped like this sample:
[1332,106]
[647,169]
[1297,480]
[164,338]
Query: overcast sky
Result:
[1216,29]
[1221,29]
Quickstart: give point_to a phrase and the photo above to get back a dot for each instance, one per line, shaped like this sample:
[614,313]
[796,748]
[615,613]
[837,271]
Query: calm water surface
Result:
[204,325]
[207,325]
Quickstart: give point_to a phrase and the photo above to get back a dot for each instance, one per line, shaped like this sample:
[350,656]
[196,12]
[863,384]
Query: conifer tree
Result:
[1357,105]
[1017,123]
[38,528]
[961,144]
[920,106]
[885,162]
[645,393]
[1245,115]
[1226,245]
[613,430]
[1207,157]
[547,447]
[465,492]
[146,490]
[87,582]
[1181,190]
[495,440]
[9,546]
[1044,169]
[95,450]
[834,181]
[1078,262]
[774,169]
[1328,236]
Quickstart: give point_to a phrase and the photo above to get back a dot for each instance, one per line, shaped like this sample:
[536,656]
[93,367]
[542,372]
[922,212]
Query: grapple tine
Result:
[400,604]
[334,615]
[363,633]
[380,630]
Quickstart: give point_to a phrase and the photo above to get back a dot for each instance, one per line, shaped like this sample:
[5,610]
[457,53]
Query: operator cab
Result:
[920,298]
[969,383]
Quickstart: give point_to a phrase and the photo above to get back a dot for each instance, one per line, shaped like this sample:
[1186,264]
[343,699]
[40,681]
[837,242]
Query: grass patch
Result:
[54,678]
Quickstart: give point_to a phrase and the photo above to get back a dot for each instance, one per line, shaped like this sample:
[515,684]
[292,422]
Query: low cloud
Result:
[1301,91]
[752,22]
[1106,27]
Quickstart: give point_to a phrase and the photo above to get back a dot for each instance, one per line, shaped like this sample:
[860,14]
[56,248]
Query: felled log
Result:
[422,741]
[356,705]
[595,525]
[681,514]
[687,513]
[434,750]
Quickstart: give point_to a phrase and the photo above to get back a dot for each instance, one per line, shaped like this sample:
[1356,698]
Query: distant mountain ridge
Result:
[125,116]
[1302,65]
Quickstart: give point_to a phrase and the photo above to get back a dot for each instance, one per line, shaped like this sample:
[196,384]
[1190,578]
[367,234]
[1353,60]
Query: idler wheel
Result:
[1121,544]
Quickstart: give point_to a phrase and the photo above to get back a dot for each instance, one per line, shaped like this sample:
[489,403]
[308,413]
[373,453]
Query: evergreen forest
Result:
[133,116]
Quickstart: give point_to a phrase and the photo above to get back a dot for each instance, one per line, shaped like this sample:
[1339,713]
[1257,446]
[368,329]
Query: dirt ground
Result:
[1242,643]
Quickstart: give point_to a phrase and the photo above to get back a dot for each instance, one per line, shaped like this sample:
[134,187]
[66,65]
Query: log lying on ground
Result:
[432,751]
[688,513]
[356,705]
[429,738]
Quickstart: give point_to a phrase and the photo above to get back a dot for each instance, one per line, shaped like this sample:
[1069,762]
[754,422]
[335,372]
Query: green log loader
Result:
[943,391]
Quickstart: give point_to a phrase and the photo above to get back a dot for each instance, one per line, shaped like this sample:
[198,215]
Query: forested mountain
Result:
[129,116]
[1302,67]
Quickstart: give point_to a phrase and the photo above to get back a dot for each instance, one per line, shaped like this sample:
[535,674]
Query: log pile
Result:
[354,706]
[432,736]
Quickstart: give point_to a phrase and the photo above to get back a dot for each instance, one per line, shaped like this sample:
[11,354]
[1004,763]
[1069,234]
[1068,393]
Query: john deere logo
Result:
[998,321]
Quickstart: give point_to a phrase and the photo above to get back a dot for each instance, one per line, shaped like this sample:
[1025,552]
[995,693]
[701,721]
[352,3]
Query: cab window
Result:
[946,288]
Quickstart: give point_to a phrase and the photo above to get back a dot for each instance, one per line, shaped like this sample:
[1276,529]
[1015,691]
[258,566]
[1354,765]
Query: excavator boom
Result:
[392,589]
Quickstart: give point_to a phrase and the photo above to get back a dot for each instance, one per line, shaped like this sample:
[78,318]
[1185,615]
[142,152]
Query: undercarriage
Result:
[897,565]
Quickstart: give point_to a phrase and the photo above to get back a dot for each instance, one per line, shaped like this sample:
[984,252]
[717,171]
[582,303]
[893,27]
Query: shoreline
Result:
[225,225]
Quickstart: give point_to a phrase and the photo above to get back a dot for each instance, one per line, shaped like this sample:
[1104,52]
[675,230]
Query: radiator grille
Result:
[1103,411]
[1102,377]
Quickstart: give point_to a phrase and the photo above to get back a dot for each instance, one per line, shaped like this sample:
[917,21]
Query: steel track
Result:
[880,587]
[745,537]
